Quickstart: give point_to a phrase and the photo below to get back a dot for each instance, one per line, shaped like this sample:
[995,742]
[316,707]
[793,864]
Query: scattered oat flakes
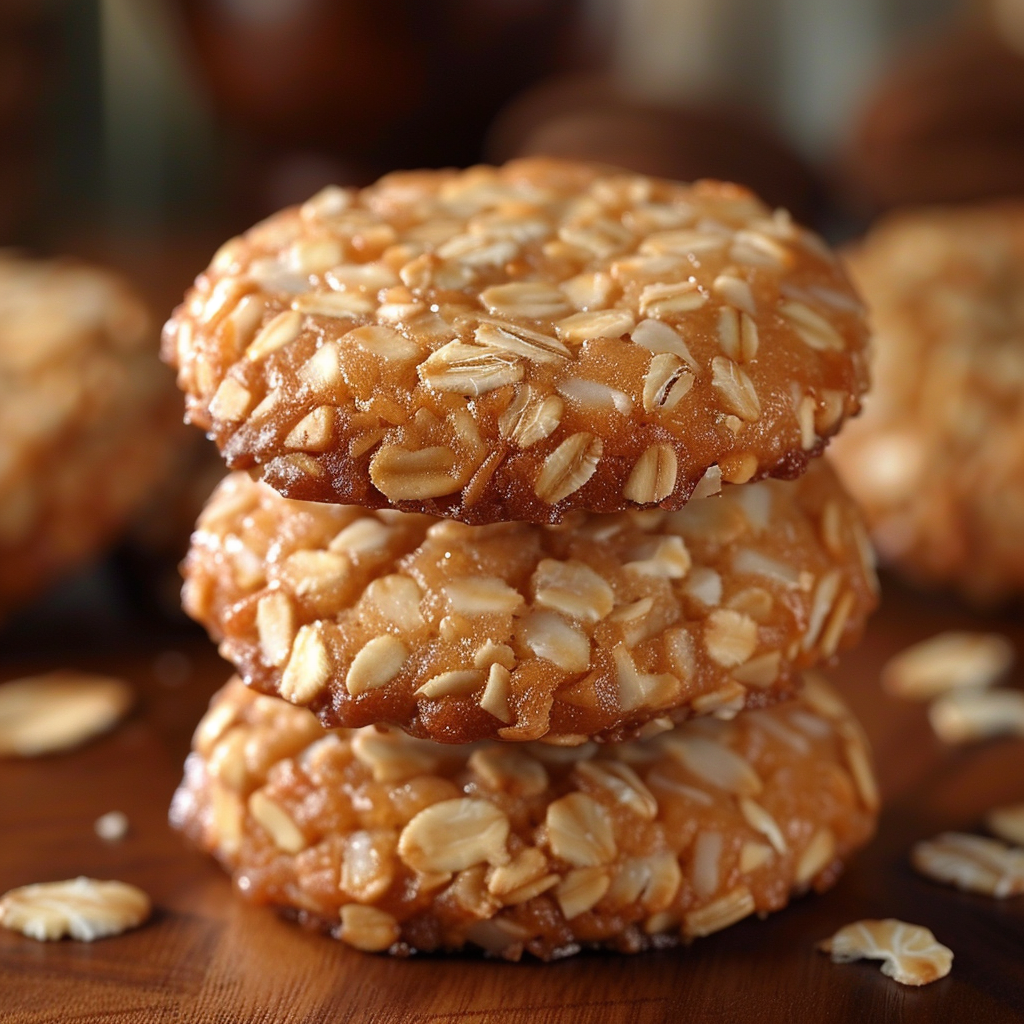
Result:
[971,863]
[947,661]
[57,711]
[112,827]
[82,908]
[1007,823]
[911,954]
[962,716]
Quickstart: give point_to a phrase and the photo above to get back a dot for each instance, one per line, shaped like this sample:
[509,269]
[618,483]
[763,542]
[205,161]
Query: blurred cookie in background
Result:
[945,122]
[591,118]
[88,422]
[937,457]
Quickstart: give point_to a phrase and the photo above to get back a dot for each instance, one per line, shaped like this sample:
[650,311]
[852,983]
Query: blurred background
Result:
[139,134]
[156,119]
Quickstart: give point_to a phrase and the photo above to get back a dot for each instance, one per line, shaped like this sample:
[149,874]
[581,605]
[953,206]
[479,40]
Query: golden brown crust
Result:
[937,460]
[87,416]
[520,342]
[518,631]
[402,845]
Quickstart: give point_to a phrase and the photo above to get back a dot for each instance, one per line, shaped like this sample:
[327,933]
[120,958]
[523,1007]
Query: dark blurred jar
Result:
[28,33]
[352,88]
[945,121]
[589,117]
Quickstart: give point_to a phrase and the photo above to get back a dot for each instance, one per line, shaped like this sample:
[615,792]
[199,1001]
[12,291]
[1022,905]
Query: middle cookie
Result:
[597,627]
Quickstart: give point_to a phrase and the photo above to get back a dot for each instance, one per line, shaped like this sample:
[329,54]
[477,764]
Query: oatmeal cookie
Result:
[937,459]
[519,631]
[520,342]
[87,420]
[397,844]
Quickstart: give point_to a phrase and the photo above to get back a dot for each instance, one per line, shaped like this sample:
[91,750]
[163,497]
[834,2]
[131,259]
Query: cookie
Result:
[937,459]
[404,845]
[520,631]
[517,343]
[87,420]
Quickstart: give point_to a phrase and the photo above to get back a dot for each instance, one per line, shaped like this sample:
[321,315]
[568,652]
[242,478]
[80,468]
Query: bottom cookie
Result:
[404,845]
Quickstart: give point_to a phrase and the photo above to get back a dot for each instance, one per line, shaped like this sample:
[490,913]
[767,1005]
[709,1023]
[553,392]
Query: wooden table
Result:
[207,956]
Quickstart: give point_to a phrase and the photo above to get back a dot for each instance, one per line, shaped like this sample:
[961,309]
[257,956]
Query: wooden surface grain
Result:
[207,956]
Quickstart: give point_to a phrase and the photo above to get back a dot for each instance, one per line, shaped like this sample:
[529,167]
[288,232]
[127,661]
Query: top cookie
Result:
[520,342]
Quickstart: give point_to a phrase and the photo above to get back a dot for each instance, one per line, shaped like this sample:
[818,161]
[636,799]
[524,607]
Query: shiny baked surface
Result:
[398,844]
[603,625]
[519,342]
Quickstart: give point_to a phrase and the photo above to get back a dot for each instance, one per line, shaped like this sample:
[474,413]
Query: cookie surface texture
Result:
[519,631]
[517,343]
[937,460]
[398,844]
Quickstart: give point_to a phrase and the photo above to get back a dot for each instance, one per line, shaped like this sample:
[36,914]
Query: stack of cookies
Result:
[526,560]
